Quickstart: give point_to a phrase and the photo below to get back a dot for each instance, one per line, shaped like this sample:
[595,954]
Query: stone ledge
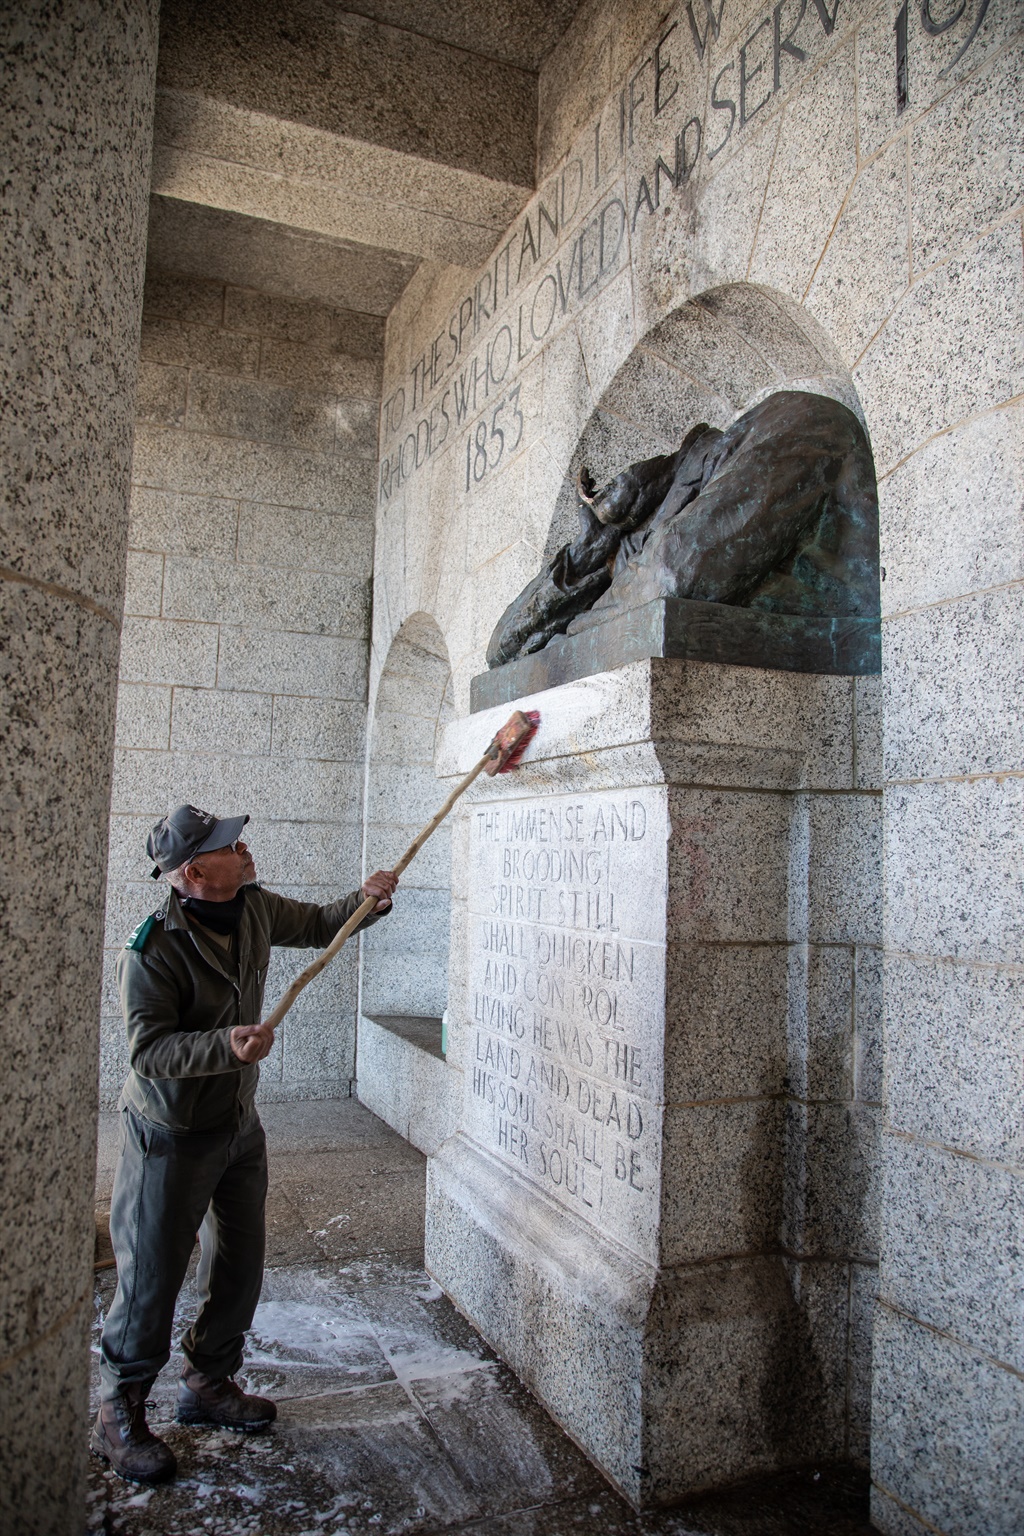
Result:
[690,631]
[403,1078]
[424,1033]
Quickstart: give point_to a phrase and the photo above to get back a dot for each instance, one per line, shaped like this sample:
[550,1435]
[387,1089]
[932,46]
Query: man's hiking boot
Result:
[121,1436]
[205,1400]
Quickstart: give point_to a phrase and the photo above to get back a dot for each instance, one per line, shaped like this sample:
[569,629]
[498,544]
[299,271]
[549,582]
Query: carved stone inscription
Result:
[566,999]
[683,101]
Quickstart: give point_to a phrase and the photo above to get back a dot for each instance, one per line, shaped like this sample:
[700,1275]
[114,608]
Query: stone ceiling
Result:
[522,34]
[323,152]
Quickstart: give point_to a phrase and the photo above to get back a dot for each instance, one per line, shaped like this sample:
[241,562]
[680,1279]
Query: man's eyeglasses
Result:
[239,843]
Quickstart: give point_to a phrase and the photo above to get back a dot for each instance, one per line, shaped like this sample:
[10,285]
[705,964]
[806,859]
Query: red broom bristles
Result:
[515,757]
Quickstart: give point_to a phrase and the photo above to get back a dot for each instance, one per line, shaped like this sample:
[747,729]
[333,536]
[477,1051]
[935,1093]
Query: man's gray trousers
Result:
[168,1186]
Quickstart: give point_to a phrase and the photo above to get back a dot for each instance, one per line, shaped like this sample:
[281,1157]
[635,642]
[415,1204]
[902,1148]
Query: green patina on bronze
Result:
[757,545]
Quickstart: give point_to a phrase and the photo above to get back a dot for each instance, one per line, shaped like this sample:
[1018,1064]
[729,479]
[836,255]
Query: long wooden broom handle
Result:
[365,908]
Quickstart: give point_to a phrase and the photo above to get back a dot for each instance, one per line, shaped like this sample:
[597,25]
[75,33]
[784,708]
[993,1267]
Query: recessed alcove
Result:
[400,1068]
[709,360]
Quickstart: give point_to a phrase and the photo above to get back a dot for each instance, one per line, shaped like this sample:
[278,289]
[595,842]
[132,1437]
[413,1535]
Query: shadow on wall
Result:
[405,960]
[709,361]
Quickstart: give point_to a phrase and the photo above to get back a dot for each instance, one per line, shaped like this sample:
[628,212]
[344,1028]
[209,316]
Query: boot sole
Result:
[129,1477]
[184,1416]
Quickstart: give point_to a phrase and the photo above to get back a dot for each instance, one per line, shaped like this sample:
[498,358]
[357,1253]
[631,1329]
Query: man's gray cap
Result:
[187,832]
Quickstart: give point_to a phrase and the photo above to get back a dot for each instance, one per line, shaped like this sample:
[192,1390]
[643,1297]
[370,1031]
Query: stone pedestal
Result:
[649,1208]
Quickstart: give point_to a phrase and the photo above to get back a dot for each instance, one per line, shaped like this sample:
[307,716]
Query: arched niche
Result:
[709,360]
[405,958]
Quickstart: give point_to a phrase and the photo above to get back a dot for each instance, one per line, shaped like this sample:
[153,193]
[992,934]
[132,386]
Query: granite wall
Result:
[862,161]
[244,657]
[76,104]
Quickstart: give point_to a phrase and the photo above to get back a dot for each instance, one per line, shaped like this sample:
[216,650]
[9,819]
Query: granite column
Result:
[77,100]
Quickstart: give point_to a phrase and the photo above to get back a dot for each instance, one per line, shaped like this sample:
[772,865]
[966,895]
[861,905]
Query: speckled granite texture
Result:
[76,105]
[244,652]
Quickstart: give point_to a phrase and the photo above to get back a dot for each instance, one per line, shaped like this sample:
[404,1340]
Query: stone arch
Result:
[405,960]
[709,360]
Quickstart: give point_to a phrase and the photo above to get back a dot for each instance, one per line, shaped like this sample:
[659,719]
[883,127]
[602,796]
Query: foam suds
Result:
[302,1334]
[420,1358]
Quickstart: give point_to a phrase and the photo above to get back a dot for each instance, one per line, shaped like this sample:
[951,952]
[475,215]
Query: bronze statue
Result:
[778,512]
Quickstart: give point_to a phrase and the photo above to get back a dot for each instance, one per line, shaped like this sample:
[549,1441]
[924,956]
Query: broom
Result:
[504,754]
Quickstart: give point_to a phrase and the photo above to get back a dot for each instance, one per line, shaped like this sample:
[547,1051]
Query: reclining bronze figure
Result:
[779,512]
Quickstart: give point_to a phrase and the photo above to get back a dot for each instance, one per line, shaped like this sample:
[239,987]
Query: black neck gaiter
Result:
[221,916]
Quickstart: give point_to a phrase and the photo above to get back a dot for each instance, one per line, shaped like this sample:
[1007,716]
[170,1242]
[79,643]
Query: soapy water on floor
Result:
[232,1484]
[394,1420]
[394,1417]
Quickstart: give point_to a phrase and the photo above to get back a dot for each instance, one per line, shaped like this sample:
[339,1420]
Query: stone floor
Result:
[394,1416]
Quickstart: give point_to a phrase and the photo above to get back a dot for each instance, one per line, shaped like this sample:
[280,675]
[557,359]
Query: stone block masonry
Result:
[244,657]
[791,182]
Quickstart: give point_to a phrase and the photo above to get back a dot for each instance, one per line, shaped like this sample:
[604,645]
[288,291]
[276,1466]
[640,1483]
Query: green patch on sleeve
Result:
[137,940]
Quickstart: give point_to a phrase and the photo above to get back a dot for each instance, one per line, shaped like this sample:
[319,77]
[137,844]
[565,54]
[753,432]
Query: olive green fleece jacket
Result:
[181,997]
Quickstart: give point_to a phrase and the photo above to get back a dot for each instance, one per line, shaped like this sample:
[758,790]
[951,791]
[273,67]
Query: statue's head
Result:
[629,500]
[613,505]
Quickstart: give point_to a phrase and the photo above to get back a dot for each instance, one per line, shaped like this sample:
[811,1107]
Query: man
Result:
[193,1152]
